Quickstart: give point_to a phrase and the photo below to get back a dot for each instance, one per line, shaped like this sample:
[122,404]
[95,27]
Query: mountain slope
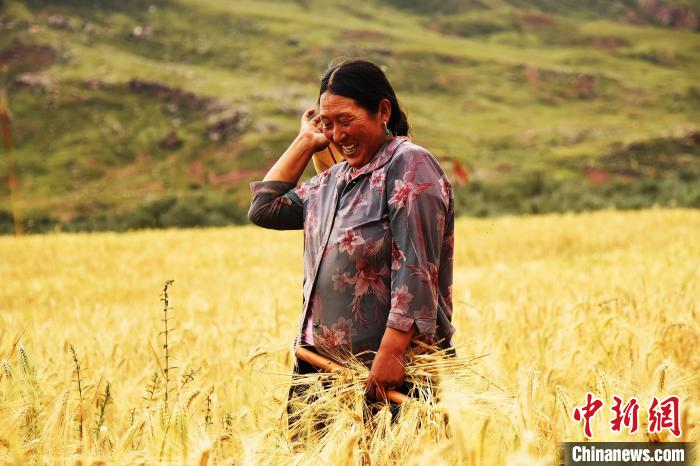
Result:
[145,114]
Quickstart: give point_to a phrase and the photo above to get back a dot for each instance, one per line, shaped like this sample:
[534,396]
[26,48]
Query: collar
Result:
[379,159]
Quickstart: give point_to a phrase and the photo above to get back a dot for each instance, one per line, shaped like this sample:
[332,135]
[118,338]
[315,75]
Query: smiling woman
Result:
[378,227]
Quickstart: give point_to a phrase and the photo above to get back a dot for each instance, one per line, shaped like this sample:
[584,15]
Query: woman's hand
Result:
[311,129]
[387,369]
[387,373]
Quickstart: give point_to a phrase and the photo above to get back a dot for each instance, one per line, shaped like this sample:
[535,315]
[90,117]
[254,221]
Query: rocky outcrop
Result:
[665,14]
[140,32]
[183,99]
[171,141]
[578,85]
[27,58]
[33,81]
[228,126]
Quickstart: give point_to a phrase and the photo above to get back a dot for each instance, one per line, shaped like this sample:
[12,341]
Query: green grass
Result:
[527,94]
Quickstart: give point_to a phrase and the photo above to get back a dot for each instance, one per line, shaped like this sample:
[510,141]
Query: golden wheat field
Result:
[547,308]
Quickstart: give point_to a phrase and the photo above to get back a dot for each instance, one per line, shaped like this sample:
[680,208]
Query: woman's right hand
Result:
[311,129]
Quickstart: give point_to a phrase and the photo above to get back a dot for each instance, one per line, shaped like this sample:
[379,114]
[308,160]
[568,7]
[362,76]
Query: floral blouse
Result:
[378,247]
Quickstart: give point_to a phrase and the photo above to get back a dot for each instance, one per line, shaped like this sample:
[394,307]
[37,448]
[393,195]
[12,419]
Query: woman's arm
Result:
[274,204]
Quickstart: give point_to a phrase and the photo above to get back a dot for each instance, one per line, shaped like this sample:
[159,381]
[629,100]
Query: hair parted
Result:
[366,83]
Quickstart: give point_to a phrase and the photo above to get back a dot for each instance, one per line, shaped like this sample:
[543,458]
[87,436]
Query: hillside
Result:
[158,113]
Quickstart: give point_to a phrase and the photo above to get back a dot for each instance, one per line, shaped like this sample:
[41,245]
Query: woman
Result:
[378,227]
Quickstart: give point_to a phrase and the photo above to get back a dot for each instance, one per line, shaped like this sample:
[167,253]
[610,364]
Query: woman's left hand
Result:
[387,372]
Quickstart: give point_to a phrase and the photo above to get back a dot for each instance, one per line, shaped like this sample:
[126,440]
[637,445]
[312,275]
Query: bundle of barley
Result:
[333,418]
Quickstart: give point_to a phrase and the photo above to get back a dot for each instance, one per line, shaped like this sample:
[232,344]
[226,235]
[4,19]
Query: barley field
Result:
[547,308]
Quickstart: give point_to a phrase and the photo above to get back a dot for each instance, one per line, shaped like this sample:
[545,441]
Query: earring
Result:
[387,132]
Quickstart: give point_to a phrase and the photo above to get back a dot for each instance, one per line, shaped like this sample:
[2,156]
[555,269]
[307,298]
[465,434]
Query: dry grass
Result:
[546,309]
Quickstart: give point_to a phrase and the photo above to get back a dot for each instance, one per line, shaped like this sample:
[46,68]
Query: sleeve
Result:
[418,207]
[276,205]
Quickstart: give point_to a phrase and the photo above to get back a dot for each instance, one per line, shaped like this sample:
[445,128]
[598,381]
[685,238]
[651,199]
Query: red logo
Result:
[663,415]
[627,416]
[587,412]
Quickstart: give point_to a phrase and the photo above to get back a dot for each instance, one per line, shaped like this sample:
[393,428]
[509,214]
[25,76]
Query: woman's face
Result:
[356,133]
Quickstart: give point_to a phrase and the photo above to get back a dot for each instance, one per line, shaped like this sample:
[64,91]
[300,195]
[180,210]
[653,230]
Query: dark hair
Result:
[366,83]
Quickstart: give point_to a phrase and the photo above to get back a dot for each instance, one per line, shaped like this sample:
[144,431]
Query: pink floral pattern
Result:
[406,192]
[397,256]
[376,180]
[400,299]
[311,224]
[378,247]
[331,337]
[302,191]
[368,280]
[428,274]
[349,241]
[372,248]
[445,188]
[341,281]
